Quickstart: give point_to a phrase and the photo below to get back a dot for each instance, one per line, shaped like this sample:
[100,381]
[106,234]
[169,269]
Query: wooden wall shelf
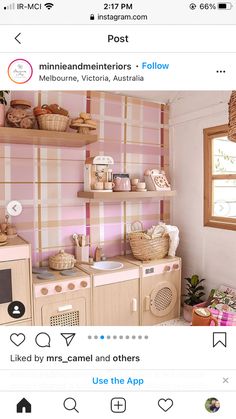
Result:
[124,196]
[44,138]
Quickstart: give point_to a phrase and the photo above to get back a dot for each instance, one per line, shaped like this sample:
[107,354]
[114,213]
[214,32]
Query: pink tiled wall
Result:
[46,179]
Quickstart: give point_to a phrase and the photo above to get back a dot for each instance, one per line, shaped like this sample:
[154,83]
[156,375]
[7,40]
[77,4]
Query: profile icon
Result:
[16,309]
[212,405]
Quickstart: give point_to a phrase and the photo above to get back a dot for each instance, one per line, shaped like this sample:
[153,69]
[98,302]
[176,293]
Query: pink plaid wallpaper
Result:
[46,179]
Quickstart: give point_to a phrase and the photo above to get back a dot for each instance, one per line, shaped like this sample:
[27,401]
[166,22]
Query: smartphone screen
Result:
[117,209]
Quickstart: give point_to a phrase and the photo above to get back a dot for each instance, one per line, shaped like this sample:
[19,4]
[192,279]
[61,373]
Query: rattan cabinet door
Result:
[65,313]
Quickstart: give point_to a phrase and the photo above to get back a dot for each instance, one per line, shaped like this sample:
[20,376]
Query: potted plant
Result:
[193,296]
[3,103]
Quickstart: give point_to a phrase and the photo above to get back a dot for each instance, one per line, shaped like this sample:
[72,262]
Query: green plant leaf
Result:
[199,288]
[2,96]
[188,280]
[194,280]
[188,302]
[194,291]
[201,280]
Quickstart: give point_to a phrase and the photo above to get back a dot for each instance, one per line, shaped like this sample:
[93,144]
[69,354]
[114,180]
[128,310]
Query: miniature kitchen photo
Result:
[117,208]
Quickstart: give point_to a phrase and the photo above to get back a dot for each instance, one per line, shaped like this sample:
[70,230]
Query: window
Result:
[220,179]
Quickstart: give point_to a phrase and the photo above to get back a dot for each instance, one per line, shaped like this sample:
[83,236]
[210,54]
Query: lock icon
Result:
[92,17]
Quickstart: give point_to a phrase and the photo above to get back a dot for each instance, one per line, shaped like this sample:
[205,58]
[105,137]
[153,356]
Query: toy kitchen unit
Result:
[61,298]
[115,293]
[160,289]
[15,283]
[135,293]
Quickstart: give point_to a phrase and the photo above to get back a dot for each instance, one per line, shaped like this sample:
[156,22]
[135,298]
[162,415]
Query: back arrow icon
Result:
[16,38]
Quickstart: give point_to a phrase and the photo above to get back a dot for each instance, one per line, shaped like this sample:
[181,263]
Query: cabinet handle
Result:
[64,308]
[176,266]
[166,268]
[147,303]
[134,305]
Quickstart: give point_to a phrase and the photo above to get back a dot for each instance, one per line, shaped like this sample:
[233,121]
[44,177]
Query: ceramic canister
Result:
[121,184]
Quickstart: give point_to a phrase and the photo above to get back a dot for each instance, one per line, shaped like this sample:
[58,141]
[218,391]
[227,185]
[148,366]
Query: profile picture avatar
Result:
[20,71]
[212,405]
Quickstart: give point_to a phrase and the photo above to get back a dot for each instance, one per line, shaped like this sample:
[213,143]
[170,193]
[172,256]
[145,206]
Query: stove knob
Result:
[83,284]
[44,291]
[176,266]
[58,288]
[71,286]
[166,268]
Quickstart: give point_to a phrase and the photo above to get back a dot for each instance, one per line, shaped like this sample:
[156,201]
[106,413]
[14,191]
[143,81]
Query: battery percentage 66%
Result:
[211,6]
[207,6]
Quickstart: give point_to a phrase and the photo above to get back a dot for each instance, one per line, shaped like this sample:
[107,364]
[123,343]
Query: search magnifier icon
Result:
[70,404]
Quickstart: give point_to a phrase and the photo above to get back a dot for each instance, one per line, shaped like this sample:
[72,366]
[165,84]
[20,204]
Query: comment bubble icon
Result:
[43,340]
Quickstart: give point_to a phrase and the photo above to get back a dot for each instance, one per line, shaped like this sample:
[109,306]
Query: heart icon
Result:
[17,339]
[165,404]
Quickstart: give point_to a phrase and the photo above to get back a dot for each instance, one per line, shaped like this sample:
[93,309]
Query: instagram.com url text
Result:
[115,18]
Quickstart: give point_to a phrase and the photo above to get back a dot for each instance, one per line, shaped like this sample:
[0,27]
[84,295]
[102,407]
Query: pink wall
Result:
[46,180]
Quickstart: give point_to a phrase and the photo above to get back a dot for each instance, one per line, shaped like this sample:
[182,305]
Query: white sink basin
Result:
[108,265]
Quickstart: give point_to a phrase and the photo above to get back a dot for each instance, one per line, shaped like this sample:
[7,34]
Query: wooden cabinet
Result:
[116,304]
[15,280]
[14,286]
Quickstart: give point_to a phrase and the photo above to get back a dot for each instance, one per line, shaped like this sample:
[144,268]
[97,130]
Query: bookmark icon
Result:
[220,339]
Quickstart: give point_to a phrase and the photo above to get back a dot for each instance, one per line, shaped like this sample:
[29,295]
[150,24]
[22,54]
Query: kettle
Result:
[121,184]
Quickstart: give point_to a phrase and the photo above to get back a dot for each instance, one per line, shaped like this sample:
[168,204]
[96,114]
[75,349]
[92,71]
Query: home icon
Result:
[23,406]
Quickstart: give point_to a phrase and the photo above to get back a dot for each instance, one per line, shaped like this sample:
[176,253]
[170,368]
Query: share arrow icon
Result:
[68,337]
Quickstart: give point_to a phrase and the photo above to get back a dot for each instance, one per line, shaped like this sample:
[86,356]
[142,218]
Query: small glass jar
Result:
[20,115]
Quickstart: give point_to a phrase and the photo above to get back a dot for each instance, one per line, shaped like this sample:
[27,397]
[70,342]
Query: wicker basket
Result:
[53,122]
[62,261]
[232,117]
[144,247]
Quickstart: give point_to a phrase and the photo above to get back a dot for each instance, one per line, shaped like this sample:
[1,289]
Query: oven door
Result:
[71,312]
[14,286]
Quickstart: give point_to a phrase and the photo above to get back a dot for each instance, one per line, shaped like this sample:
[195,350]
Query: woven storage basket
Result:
[232,117]
[62,261]
[144,247]
[53,122]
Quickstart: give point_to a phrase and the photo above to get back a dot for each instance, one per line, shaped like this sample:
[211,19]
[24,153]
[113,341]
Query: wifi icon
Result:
[49,5]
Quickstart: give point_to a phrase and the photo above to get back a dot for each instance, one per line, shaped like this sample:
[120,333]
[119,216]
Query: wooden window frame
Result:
[209,219]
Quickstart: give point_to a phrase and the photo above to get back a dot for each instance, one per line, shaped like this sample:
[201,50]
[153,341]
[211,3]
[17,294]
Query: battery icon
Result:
[225,6]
